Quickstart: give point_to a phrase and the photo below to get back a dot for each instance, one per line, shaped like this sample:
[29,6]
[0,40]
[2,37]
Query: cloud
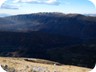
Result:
[53,2]
[12,4]
[1,2]
[94,2]
[5,5]
[9,6]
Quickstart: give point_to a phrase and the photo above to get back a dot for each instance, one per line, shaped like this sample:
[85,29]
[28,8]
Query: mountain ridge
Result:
[68,39]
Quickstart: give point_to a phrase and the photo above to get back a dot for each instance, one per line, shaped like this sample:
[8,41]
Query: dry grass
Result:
[21,65]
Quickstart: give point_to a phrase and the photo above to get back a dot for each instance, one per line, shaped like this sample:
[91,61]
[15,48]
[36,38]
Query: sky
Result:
[15,7]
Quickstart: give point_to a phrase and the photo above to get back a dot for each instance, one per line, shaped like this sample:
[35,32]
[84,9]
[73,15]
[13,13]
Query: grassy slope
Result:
[21,65]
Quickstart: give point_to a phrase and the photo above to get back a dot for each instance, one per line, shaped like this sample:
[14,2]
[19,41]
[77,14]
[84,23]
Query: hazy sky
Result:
[31,6]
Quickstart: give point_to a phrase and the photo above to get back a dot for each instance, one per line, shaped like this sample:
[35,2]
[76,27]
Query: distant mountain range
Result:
[74,25]
[66,38]
[94,15]
[5,15]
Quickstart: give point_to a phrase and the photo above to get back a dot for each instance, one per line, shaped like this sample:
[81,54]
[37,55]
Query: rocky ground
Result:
[36,65]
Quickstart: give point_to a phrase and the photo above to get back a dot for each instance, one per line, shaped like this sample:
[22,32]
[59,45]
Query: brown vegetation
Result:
[21,65]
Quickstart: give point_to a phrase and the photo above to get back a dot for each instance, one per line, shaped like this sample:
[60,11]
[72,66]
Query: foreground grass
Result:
[28,65]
